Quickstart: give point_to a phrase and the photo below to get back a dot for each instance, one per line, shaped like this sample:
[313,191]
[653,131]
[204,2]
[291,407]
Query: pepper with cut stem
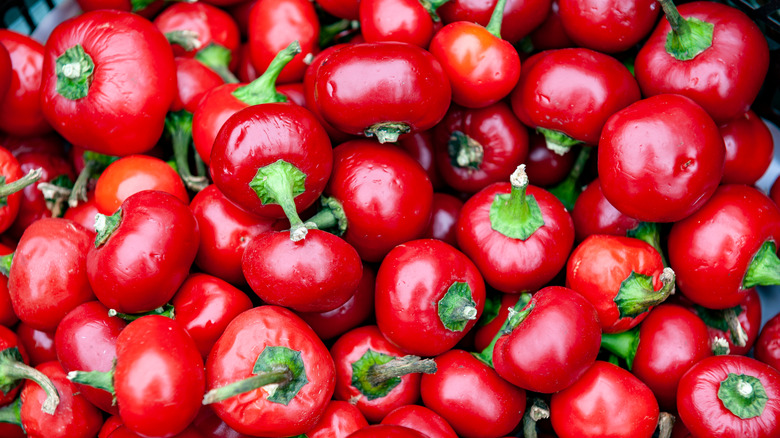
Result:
[14,370]
[530,226]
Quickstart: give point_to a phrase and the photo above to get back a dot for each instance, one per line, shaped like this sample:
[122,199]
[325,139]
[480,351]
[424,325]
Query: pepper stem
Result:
[738,335]
[538,410]
[8,189]
[74,69]
[5,264]
[636,294]
[399,367]
[688,37]
[720,346]
[179,127]
[764,269]
[494,25]
[387,132]
[279,376]
[263,89]
[457,307]
[557,141]
[665,425]
[217,58]
[13,370]
[650,233]
[516,215]
[486,355]
[431,6]
[105,226]
[12,413]
[623,345]
[279,183]
[329,32]
[331,216]
[464,151]
[568,190]
[186,38]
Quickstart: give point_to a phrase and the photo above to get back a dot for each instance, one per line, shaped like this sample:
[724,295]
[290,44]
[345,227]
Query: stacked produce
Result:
[387,218]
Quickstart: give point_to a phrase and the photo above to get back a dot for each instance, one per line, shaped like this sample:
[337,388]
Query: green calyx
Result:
[376,374]
[516,215]
[464,151]
[13,371]
[105,226]
[263,89]
[486,355]
[764,269]
[138,5]
[557,141]
[279,183]
[74,70]
[280,371]
[387,132]
[12,413]
[187,39]
[5,264]
[331,217]
[10,188]
[217,58]
[494,25]
[96,379]
[568,190]
[688,37]
[650,233]
[457,307]
[623,345]
[431,6]
[743,395]
[637,296]
[166,310]
[720,346]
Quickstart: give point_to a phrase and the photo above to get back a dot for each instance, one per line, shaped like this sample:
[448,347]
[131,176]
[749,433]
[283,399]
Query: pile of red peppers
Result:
[387,219]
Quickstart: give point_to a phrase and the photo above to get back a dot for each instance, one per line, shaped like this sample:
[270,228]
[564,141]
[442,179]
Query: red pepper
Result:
[20,109]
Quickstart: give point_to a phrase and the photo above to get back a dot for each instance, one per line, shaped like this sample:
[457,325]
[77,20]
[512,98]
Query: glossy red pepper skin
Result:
[474,59]
[593,214]
[349,315]
[234,356]
[205,305]
[707,274]
[472,397]
[520,17]
[263,134]
[488,329]
[316,274]
[20,109]
[608,26]
[309,80]
[6,71]
[7,316]
[84,213]
[138,102]
[159,377]
[553,346]
[749,149]
[75,417]
[671,340]
[513,265]
[213,110]
[768,344]
[676,169]
[711,78]
[9,339]
[212,25]
[49,273]
[225,232]
[362,85]
[420,147]
[339,420]
[573,91]
[445,210]
[132,174]
[385,194]
[545,167]
[421,419]
[85,340]
[127,270]
[503,140]
[705,415]
[38,343]
[598,267]
[347,350]
[607,401]
[405,21]
[193,81]
[550,34]
[211,426]
[273,24]
[10,171]
[386,431]
[411,283]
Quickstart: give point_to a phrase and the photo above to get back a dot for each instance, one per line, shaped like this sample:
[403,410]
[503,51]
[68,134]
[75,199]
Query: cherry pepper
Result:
[707,51]
[143,252]
[158,378]
[519,236]
[14,370]
[269,374]
[621,276]
[482,67]
[727,247]
[100,99]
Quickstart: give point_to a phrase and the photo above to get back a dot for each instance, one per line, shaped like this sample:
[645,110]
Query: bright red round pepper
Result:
[20,109]
[132,174]
[421,419]
[520,16]
[749,149]
[608,26]
[339,420]
[209,25]
[767,347]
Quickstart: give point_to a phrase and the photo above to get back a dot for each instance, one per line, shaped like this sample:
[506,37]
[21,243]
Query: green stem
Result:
[279,183]
[263,89]
[537,410]
[636,294]
[5,264]
[431,6]
[179,127]
[331,217]
[11,413]
[557,141]
[79,190]
[650,233]
[486,355]
[329,32]
[623,345]
[200,165]
[279,375]
[387,132]
[516,215]
[494,25]
[32,176]
[105,226]
[464,151]
[167,311]
[764,269]
[688,37]
[217,58]
[399,367]
[738,335]
[678,23]
[187,39]
[569,189]
[13,371]
[665,425]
